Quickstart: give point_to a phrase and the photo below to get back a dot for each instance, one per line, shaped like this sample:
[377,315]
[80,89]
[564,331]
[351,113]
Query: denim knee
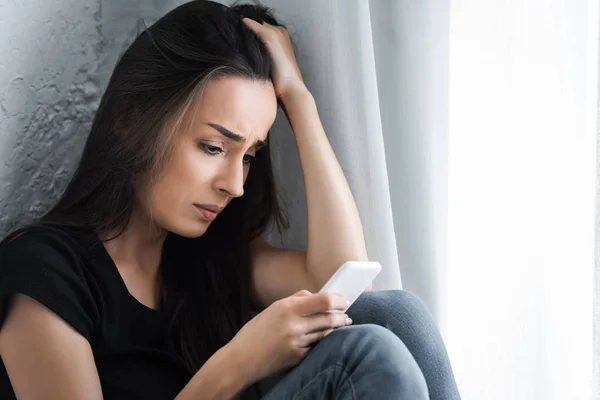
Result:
[405,314]
[378,361]
[382,306]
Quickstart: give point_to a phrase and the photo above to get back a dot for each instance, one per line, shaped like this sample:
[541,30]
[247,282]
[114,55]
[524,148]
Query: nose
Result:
[231,180]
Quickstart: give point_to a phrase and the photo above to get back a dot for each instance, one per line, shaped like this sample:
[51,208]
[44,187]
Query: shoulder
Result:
[37,242]
[42,248]
[44,263]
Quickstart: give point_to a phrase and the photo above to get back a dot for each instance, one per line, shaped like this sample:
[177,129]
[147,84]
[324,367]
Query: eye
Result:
[248,159]
[212,150]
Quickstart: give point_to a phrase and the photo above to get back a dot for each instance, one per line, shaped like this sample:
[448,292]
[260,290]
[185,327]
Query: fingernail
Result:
[348,320]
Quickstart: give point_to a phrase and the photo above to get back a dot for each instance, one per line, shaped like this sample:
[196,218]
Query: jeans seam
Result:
[344,372]
[348,380]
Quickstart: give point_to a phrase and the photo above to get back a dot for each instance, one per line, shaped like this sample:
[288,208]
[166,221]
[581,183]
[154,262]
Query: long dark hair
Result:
[206,280]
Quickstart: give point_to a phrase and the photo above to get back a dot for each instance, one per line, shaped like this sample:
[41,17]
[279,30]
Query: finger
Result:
[259,26]
[252,24]
[311,338]
[249,21]
[303,352]
[314,337]
[282,29]
[303,293]
[324,321]
[321,302]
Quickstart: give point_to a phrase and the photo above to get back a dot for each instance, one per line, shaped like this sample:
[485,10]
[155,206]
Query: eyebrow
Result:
[234,136]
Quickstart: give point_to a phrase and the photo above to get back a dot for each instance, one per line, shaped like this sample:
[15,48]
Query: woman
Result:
[141,281]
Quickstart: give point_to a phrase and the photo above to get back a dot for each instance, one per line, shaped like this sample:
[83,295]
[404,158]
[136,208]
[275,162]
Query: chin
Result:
[192,230]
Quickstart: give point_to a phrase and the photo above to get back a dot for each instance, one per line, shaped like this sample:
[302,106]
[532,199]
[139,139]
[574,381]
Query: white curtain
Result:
[336,55]
[521,206]
[467,131]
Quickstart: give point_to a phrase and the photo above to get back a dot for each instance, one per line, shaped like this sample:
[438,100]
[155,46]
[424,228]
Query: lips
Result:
[208,211]
[210,207]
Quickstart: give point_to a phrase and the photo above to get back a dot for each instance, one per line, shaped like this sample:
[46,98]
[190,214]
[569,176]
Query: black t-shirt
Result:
[76,278]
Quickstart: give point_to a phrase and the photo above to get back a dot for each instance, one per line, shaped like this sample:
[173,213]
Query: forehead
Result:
[246,107]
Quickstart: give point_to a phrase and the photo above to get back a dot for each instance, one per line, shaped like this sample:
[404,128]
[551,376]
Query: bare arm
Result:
[276,273]
[335,232]
[219,378]
[47,359]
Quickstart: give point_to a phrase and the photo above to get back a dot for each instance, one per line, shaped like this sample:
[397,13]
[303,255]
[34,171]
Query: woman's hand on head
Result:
[285,71]
[282,335]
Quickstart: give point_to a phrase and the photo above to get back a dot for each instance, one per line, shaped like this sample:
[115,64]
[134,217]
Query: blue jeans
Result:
[393,350]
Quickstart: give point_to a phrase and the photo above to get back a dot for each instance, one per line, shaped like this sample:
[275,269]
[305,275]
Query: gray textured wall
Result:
[56,59]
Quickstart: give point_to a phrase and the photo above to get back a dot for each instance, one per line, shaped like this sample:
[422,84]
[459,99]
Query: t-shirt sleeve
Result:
[44,267]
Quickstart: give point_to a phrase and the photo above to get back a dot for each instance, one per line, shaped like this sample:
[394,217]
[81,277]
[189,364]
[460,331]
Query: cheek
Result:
[180,182]
[164,197]
[191,169]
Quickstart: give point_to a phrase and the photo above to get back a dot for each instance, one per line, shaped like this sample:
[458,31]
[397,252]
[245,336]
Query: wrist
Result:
[295,94]
[218,378]
[241,368]
[299,107]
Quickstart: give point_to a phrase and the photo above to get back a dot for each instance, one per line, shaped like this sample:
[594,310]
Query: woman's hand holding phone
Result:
[281,336]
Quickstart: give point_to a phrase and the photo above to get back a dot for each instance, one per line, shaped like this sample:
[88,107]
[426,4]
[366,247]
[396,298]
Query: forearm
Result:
[335,232]
[219,378]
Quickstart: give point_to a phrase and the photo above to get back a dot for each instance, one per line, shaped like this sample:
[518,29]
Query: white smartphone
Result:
[351,279]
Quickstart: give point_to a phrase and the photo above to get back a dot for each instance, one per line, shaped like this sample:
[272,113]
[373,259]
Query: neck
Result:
[139,247]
